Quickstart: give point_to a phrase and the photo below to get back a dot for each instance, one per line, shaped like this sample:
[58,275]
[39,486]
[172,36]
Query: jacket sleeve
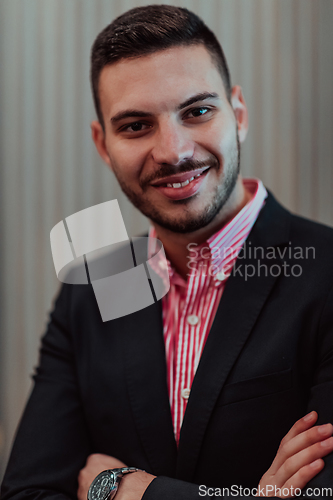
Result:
[321,396]
[52,441]
[165,488]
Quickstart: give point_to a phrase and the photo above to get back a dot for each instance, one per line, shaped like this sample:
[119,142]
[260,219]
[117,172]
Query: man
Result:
[201,387]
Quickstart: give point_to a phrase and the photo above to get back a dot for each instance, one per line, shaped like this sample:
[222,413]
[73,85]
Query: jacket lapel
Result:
[146,381]
[239,308]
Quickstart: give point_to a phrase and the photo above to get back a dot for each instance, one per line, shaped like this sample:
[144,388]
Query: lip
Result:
[179,177]
[186,191]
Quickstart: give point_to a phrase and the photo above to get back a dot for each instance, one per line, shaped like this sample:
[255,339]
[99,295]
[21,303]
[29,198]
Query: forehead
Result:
[158,81]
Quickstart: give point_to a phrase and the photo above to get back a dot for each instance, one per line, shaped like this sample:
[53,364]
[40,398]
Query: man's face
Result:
[170,135]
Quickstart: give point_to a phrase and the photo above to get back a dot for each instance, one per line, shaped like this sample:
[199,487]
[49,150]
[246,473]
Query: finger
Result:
[303,476]
[303,441]
[98,462]
[302,458]
[83,485]
[300,426]
[81,493]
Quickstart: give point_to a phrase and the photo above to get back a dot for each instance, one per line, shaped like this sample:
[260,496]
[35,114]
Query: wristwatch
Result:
[105,485]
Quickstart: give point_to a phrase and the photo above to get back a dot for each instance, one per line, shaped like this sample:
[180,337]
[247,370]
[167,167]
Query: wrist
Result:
[106,483]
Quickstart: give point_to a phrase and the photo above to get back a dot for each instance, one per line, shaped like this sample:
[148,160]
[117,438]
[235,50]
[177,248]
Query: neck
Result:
[175,244]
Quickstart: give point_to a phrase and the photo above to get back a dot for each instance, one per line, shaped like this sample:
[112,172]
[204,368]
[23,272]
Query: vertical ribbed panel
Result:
[280,51]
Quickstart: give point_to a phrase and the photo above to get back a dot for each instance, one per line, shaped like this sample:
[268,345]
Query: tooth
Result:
[182,184]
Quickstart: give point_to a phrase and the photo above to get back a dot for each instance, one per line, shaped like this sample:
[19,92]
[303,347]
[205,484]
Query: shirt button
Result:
[192,319]
[185,393]
[221,276]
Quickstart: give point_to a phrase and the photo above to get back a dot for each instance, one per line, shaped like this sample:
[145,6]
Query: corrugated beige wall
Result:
[280,51]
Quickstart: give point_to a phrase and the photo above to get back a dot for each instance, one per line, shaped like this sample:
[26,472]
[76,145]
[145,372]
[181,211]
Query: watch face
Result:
[102,486]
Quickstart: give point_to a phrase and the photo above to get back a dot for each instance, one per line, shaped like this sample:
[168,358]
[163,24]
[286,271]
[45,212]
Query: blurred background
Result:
[280,51]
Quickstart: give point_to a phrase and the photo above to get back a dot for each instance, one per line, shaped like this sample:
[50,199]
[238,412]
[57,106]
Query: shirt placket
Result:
[188,342]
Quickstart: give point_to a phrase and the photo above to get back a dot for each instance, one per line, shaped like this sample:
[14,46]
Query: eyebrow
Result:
[130,113]
[134,113]
[203,96]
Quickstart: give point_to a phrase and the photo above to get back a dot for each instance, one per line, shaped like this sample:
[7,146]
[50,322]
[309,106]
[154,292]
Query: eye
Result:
[135,127]
[197,112]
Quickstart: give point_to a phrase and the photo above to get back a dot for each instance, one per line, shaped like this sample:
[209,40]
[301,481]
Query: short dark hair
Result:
[145,30]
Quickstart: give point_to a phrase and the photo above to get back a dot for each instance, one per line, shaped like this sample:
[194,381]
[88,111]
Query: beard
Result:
[190,221]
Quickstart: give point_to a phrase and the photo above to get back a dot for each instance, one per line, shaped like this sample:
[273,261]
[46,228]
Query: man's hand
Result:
[95,464]
[132,486]
[299,457]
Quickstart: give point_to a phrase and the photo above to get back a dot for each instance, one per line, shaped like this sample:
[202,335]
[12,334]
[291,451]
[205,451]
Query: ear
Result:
[240,111]
[98,137]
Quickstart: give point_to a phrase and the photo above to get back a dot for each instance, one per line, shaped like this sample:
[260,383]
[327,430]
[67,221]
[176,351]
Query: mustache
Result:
[167,170]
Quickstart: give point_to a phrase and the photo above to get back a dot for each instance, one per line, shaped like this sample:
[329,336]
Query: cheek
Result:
[126,161]
[216,138]
[226,142]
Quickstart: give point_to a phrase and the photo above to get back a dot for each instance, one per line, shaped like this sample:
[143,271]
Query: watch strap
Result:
[121,471]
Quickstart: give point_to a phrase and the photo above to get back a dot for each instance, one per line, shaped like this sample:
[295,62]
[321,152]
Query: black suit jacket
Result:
[101,387]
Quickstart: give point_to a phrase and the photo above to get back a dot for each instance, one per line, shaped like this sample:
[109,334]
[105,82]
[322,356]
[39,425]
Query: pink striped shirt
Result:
[190,306]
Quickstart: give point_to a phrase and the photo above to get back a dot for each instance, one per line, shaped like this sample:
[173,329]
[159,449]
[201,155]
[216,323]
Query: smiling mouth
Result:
[190,185]
[177,185]
[188,179]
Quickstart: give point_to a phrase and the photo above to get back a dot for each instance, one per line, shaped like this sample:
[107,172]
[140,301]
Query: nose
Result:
[172,143]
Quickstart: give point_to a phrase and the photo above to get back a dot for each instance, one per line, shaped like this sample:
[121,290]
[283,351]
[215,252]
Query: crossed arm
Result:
[54,437]
[298,460]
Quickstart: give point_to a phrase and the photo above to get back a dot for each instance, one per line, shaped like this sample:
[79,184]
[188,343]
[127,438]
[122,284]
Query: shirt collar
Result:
[228,241]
